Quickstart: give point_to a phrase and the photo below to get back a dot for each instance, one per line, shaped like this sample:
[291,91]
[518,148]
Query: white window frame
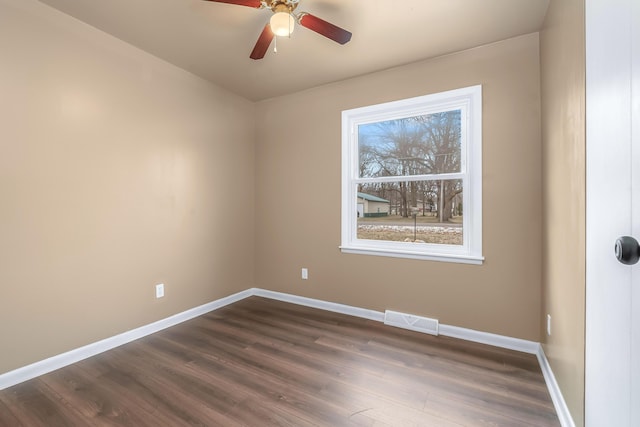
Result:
[469,101]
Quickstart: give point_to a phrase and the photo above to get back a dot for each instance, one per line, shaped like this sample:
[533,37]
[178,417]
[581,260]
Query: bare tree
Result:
[421,145]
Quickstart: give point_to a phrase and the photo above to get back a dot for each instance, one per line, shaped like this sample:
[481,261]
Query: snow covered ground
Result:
[406,233]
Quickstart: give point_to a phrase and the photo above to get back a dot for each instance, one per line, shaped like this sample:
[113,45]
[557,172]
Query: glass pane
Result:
[416,212]
[427,144]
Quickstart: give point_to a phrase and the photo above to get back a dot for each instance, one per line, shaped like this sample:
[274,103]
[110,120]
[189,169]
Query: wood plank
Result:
[260,362]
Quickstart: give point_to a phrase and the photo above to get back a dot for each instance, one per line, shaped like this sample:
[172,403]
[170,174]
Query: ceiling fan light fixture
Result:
[282,24]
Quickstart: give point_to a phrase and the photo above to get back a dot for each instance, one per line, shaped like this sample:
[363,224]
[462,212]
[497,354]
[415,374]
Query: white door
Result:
[612,395]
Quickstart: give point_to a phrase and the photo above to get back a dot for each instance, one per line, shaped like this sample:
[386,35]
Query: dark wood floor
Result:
[260,362]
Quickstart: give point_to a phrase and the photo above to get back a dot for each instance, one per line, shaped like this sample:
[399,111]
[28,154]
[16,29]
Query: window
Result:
[412,178]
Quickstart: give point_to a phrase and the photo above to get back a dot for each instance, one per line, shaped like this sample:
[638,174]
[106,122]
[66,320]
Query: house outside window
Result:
[412,178]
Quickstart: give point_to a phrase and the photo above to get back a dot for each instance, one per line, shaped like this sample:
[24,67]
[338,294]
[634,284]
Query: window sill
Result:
[396,253]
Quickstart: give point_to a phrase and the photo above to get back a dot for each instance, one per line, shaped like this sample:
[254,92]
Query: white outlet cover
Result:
[305,274]
[160,290]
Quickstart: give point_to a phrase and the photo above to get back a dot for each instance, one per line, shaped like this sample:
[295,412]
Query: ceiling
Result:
[213,40]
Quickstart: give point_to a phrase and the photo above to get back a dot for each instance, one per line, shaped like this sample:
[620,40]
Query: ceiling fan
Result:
[283,21]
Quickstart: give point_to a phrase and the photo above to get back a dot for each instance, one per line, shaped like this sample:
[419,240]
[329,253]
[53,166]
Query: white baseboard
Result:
[554,390]
[61,360]
[56,362]
[495,340]
[502,341]
[323,305]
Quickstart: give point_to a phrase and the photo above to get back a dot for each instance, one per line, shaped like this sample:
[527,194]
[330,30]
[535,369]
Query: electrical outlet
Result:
[549,324]
[160,290]
[305,274]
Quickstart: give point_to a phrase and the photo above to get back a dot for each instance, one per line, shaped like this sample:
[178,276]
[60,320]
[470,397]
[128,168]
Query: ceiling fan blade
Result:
[263,43]
[325,28]
[249,3]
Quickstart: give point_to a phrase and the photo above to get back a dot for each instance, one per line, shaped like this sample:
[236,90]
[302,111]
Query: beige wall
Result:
[117,172]
[298,164]
[563,135]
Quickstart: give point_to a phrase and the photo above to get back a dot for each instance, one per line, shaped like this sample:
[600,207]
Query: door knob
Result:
[627,250]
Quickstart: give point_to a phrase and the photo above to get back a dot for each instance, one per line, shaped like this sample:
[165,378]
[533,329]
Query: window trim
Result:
[469,100]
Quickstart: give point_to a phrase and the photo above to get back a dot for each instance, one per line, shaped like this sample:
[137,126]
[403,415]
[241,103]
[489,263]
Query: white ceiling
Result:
[213,40]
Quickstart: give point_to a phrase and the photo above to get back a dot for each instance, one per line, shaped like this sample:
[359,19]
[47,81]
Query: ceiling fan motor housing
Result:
[287,6]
